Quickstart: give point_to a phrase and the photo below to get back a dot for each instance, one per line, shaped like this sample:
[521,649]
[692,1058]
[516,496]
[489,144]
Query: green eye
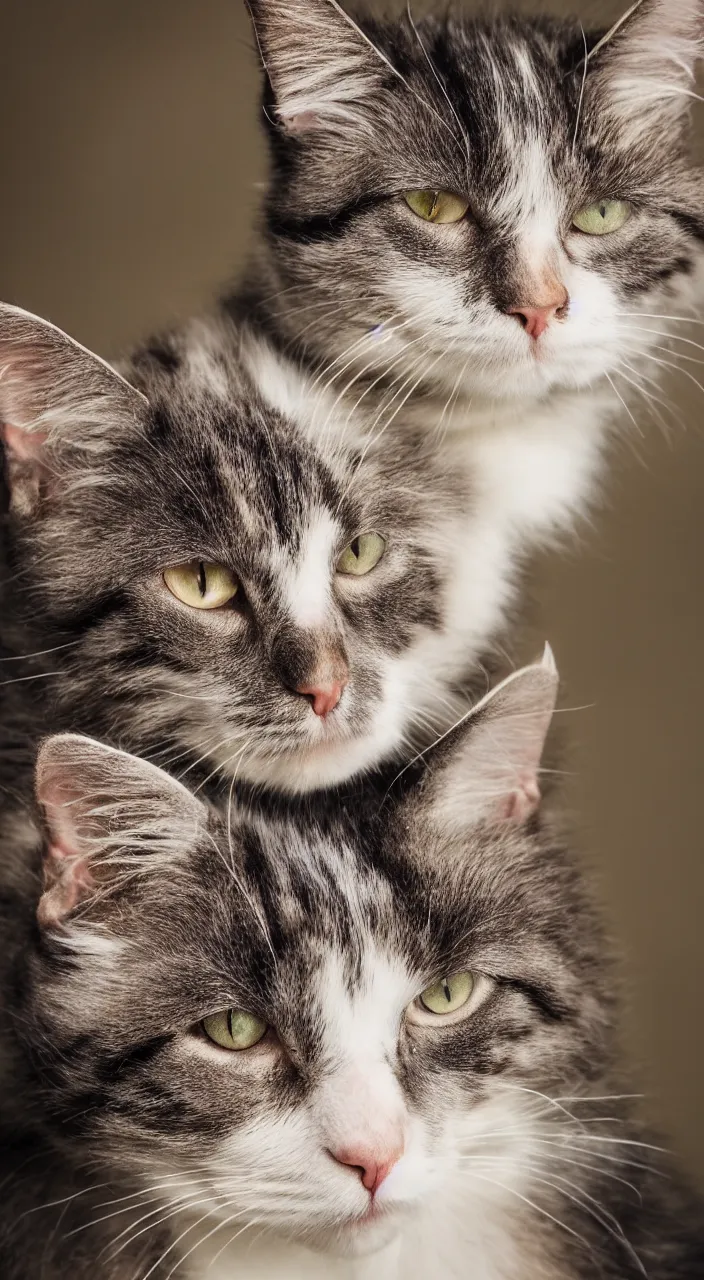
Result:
[362,555]
[436,206]
[602,218]
[449,994]
[201,585]
[234,1029]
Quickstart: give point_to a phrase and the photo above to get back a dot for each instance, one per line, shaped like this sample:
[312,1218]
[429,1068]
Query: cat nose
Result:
[324,697]
[314,667]
[372,1166]
[535,320]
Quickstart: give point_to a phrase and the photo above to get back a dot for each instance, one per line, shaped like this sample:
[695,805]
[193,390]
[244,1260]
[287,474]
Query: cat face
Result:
[214,586]
[469,205]
[321,1027]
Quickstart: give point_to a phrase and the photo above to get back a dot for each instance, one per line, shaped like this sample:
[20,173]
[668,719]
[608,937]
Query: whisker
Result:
[198,1244]
[441,84]
[616,391]
[582,89]
[532,1205]
[171,1213]
[40,653]
[40,675]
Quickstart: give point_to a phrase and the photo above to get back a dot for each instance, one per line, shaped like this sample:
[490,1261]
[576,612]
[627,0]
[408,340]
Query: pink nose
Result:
[324,697]
[535,320]
[373,1166]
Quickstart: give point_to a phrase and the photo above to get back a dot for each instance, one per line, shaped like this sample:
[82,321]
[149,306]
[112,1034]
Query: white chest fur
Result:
[536,466]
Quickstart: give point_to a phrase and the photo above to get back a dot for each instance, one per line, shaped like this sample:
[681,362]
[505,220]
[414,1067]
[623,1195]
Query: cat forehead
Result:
[243,466]
[494,108]
[252,481]
[347,959]
[465,76]
[509,71]
[245,458]
[383,872]
[357,888]
[315,882]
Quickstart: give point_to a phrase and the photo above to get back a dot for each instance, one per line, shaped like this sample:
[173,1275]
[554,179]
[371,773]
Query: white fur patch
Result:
[203,353]
[306,583]
[310,404]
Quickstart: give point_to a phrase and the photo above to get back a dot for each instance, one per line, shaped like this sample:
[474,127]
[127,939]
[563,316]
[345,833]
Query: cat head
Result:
[213,584]
[339,1023]
[489,204]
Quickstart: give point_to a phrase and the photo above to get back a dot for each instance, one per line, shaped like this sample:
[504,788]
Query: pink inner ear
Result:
[303,123]
[28,446]
[522,802]
[67,875]
[63,813]
[67,880]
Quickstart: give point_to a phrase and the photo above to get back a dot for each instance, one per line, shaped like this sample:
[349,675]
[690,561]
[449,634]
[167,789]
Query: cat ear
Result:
[321,67]
[105,811]
[53,390]
[487,769]
[644,68]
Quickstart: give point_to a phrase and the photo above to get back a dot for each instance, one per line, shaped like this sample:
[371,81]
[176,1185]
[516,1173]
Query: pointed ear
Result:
[53,391]
[644,67]
[487,769]
[321,67]
[105,811]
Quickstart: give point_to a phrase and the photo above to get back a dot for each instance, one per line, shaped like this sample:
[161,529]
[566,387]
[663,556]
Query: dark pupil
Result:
[602,210]
[202,579]
[354,548]
[229,1024]
[446,990]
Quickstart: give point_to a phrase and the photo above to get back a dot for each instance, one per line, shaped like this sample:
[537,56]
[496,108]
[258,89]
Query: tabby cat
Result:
[491,227]
[206,581]
[319,1043]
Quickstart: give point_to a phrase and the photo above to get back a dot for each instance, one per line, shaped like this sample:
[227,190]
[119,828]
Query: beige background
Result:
[130,161]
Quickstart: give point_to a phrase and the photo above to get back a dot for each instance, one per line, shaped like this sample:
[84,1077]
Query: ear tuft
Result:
[105,810]
[548,663]
[321,67]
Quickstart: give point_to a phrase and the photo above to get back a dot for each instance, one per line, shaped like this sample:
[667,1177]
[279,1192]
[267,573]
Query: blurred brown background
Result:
[130,161]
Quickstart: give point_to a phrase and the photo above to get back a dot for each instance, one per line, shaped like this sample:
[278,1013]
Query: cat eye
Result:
[362,555]
[234,1029]
[449,994]
[437,206]
[602,218]
[200,584]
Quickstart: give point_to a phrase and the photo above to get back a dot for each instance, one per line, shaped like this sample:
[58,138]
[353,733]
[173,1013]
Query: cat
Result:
[374,1042]
[489,227]
[208,582]
[482,493]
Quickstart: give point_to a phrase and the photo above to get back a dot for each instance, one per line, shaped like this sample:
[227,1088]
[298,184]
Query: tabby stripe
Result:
[322,226]
[545,1002]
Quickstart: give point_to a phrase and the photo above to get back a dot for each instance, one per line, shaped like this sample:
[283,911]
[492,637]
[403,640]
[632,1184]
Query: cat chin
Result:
[538,377]
[326,764]
[300,771]
[359,1238]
